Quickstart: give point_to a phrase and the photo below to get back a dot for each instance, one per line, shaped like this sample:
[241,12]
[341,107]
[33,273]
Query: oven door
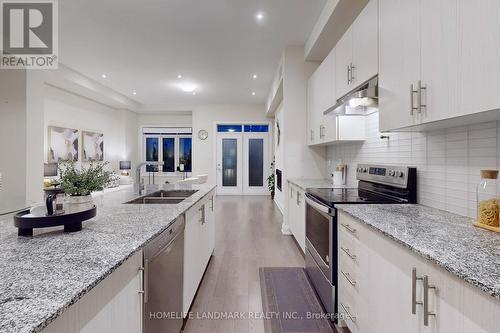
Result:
[319,235]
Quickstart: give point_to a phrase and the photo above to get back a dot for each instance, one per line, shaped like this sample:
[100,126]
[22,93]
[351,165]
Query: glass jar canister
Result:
[487,199]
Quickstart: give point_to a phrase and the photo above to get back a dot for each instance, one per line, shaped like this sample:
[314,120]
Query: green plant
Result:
[84,181]
[271,180]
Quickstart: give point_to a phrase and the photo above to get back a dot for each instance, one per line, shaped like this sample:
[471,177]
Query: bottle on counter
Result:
[487,200]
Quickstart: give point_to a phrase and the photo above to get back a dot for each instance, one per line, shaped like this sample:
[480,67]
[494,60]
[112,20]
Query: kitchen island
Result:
[44,276]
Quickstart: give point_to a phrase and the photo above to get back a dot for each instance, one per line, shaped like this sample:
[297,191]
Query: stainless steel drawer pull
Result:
[427,313]
[348,252]
[414,302]
[348,278]
[353,318]
[412,92]
[348,74]
[420,104]
[349,228]
[352,73]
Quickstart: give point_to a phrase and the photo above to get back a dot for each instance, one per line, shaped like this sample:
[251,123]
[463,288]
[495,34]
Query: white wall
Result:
[204,117]
[119,127]
[12,139]
[448,160]
[279,151]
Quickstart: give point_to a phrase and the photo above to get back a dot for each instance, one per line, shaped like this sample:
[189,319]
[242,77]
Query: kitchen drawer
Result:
[350,276]
[348,310]
[350,228]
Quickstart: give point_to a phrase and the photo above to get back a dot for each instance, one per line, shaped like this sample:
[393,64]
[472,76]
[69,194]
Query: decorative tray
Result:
[72,222]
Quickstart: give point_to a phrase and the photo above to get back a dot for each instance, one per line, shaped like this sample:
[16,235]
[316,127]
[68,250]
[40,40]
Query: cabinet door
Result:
[399,61]
[300,220]
[312,133]
[343,60]
[211,224]
[439,50]
[365,44]
[446,301]
[292,209]
[480,311]
[192,249]
[328,122]
[479,52]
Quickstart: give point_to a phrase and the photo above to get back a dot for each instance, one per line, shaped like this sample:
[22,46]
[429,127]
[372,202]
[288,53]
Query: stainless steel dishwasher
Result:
[163,280]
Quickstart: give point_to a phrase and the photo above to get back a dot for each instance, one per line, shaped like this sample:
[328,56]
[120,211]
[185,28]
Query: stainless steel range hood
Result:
[357,100]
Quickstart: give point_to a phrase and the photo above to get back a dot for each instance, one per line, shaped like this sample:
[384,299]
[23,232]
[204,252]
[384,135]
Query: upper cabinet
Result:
[357,51]
[438,60]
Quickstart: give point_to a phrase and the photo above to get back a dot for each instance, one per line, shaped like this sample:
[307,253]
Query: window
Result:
[185,149]
[228,128]
[173,149]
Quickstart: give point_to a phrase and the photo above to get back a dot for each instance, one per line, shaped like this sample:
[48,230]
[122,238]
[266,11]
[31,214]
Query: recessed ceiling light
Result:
[260,16]
[194,93]
[254,76]
[104,76]
[253,93]
[134,93]
[179,76]
[187,86]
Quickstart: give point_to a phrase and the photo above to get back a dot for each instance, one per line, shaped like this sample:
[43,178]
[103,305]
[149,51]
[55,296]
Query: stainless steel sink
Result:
[164,197]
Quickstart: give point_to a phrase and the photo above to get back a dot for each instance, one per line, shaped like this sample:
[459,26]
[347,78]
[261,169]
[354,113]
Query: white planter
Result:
[74,204]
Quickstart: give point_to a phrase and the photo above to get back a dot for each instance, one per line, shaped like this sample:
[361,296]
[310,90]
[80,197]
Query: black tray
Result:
[72,222]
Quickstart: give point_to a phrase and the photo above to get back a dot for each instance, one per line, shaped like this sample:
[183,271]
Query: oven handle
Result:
[318,206]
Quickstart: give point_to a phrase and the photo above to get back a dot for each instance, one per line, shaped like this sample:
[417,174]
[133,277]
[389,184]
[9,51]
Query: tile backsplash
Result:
[448,160]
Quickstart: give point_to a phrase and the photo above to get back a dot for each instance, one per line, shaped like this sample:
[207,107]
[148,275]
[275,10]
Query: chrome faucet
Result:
[138,187]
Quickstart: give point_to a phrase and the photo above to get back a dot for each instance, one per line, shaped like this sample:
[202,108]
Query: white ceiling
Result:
[142,45]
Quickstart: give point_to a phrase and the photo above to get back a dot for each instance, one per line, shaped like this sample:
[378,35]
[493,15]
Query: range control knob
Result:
[399,174]
[365,170]
[391,173]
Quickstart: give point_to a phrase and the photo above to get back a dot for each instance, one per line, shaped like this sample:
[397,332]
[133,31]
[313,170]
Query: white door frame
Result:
[270,151]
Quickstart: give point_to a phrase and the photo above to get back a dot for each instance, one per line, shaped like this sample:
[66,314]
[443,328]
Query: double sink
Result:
[163,197]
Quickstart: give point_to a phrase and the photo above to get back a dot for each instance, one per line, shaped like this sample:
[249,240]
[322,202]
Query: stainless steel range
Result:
[378,184]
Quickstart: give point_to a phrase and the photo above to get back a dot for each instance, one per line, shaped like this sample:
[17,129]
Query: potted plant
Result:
[78,184]
[270,180]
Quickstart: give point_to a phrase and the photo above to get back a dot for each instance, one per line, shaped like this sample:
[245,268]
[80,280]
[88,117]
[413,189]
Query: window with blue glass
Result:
[168,154]
[229,128]
[185,151]
[151,153]
[257,128]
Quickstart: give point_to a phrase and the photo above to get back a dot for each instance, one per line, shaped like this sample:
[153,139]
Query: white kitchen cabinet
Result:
[343,63]
[297,215]
[357,51]
[365,44]
[199,240]
[381,296]
[399,62]
[313,120]
[448,51]
[478,56]
[114,305]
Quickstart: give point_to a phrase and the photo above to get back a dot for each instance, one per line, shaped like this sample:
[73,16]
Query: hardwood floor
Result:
[248,236]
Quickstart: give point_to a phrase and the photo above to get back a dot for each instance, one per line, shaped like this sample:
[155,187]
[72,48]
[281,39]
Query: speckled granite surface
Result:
[317,183]
[449,240]
[41,277]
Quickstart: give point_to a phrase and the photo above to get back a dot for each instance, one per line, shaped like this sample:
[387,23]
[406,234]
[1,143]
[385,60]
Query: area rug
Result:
[290,303]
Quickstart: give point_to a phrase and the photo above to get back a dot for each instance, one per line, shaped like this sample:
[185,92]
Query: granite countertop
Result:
[448,240]
[41,277]
[317,183]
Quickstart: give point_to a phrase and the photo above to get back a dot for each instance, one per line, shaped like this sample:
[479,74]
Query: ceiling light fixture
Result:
[253,93]
[104,76]
[179,76]
[254,76]
[194,93]
[259,16]
[134,93]
[187,87]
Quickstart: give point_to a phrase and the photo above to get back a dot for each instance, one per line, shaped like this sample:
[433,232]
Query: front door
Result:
[255,163]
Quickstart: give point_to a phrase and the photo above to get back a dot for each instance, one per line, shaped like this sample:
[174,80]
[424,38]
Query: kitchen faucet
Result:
[138,187]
